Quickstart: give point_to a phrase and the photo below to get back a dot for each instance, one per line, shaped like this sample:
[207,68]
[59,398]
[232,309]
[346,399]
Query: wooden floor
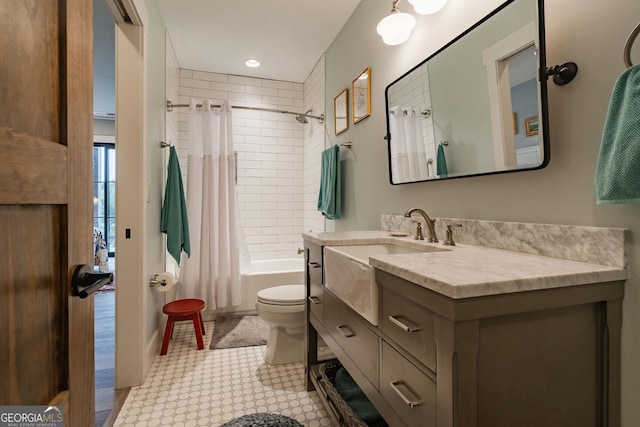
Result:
[108,400]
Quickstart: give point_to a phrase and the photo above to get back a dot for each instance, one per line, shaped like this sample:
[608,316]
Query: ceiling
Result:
[286,36]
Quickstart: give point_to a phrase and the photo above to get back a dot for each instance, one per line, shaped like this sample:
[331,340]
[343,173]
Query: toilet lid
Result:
[282,295]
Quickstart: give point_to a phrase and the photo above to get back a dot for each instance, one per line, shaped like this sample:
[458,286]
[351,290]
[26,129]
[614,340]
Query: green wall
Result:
[592,34]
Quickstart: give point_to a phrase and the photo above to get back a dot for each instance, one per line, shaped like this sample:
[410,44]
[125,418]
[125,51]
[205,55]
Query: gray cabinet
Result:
[411,392]
[411,326]
[540,358]
[349,331]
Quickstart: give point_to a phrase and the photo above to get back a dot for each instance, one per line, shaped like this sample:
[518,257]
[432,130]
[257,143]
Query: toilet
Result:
[283,307]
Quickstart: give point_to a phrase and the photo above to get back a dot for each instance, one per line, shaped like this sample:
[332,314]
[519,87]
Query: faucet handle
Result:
[419,235]
[448,241]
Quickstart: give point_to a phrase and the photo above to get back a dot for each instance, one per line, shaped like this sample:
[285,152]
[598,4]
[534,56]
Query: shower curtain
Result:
[218,249]
[408,155]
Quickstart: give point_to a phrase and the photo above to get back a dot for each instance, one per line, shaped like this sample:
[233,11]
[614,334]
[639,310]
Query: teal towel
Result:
[329,202]
[618,169]
[441,162]
[357,400]
[174,221]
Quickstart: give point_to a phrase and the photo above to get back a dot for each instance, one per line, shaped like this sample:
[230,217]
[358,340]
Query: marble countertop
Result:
[466,271]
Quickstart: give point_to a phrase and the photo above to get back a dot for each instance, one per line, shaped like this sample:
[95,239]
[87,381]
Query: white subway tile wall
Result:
[272,190]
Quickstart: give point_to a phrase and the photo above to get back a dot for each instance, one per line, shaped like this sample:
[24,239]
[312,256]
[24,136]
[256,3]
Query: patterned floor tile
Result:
[190,387]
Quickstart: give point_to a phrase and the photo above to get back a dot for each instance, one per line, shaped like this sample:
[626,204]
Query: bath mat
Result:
[231,331]
[263,420]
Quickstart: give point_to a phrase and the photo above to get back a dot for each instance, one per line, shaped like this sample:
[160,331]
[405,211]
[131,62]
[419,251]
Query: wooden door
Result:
[46,105]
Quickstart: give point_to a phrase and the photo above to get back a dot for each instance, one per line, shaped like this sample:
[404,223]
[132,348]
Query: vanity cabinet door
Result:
[408,390]
[357,340]
[314,263]
[314,273]
[315,301]
[410,325]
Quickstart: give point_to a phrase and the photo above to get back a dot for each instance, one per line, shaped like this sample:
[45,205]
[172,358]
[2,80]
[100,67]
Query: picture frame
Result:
[361,96]
[341,111]
[531,126]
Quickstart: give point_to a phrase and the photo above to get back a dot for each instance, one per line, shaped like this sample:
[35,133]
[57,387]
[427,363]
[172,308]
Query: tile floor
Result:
[188,387]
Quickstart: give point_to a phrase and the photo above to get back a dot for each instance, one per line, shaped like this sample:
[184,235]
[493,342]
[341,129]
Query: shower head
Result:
[302,118]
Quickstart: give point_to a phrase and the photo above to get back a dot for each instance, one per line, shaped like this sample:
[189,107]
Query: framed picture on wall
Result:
[531,126]
[341,111]
[361,93]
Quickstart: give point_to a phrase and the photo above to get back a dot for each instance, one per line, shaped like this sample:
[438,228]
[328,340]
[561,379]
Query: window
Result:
[104,193]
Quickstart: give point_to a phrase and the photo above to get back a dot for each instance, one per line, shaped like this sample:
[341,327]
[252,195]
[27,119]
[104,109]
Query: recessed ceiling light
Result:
[253,63]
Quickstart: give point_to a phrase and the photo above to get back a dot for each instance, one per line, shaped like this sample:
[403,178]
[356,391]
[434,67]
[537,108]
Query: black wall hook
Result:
[562,74]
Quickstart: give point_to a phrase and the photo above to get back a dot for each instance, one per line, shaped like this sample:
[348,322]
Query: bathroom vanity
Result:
[467,335]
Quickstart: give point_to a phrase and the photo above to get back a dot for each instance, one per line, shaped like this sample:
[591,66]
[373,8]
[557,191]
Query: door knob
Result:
[85,281]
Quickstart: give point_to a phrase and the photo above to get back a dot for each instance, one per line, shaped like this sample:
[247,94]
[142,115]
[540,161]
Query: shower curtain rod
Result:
[320,118]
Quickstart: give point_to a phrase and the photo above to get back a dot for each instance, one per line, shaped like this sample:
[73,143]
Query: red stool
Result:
[183,309]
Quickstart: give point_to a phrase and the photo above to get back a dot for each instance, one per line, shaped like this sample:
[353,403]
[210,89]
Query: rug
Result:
[263,420]
[231,331]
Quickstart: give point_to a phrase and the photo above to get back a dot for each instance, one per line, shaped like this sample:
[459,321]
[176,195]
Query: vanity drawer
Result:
[316,300]
[357,340]
[410,325]
[314,263]
[408,390]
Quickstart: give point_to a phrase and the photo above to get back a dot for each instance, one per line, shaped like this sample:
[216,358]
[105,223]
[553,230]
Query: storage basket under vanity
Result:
[347,415]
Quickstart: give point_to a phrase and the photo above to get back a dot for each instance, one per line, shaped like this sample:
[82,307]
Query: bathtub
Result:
[265,274]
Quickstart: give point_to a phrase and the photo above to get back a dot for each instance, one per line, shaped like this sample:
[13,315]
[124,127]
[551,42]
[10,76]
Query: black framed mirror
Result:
[477,106]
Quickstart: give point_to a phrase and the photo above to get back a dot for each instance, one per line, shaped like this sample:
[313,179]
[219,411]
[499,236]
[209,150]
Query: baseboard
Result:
[152,350]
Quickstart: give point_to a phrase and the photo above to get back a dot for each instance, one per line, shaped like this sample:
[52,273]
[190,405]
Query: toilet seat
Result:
[282,295]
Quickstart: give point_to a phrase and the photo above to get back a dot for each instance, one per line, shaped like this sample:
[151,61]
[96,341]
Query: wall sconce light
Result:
[427,7]
[396,27]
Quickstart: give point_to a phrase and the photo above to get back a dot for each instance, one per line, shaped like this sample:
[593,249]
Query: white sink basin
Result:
[363,252]
[349,276]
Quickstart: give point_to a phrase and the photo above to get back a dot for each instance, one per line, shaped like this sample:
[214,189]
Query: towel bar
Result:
[629,44]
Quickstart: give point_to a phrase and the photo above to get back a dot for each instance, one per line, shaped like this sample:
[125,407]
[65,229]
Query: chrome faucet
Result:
[432,231]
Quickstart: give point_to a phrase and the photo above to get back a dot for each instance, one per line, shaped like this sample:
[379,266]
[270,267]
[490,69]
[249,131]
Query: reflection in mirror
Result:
[361,93]
[462,111]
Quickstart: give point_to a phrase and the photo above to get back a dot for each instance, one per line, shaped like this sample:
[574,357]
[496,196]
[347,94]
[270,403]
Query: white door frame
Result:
[130,364]
[499,91]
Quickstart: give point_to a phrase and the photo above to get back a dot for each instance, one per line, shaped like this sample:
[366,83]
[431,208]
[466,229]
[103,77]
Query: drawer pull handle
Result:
[345,331]
[314,265]
[402,326]
[410,403]
[314,300]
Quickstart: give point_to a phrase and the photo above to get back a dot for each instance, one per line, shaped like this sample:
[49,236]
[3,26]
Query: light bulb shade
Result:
[427,7]
[396,28]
